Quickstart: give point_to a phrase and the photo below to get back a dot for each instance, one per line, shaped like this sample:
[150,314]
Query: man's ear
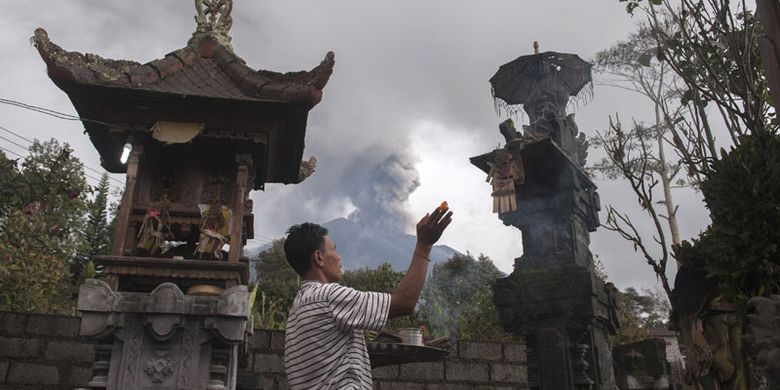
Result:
[316,258]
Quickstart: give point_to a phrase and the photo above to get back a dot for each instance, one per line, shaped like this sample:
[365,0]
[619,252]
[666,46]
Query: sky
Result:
[407,105]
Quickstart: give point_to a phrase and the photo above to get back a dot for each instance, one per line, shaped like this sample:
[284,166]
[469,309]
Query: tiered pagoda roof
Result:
[204,68]
[205,82]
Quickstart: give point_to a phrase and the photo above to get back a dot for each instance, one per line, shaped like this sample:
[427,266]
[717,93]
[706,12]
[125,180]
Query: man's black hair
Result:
[302,240]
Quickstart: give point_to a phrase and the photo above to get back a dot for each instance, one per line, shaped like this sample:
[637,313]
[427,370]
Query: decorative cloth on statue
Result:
[214,230]
[504,174]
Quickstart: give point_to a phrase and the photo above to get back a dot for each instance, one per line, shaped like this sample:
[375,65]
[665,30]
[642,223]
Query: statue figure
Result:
[507,129]
[505,172]
[710,329]
[214,230]
[155,229]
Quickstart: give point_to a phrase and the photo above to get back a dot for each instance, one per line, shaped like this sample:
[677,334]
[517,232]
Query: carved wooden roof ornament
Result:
[213,18]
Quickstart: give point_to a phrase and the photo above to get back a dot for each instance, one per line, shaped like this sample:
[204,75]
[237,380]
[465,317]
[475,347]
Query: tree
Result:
[381,279]
[710,48]
[43,206]
[277,284]
[96,237]
[457,299]
[632,158]
[639,154]
[713,48]
[631,65]
[741,248]
[96,234]
[639,312]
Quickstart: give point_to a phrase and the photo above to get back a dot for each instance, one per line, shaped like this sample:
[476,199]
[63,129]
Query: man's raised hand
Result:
[432,225]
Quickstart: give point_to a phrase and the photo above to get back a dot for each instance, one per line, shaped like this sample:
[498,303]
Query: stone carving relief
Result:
[188,351]
[158,367]
[132,352]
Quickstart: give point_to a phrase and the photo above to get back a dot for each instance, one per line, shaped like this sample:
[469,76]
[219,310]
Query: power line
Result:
[258,241]
[16,134]
[85,174]
[20,156]
[30,141]
[50,112]
[12,152]
[14,143]
[269,239]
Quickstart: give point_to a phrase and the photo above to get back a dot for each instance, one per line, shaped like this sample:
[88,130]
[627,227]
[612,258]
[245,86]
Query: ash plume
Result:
[379,192]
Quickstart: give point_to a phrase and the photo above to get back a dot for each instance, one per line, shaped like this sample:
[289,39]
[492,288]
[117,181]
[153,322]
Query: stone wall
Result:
[470,366]
[44,352]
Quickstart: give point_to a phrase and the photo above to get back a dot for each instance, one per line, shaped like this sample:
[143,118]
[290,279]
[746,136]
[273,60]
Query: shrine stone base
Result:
[565,314]
[163,339]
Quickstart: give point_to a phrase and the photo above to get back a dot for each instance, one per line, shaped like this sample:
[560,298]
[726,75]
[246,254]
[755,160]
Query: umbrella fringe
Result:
[584,97]
[513,111]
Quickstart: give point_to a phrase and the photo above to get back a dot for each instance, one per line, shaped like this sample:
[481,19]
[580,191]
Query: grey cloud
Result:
[397,62]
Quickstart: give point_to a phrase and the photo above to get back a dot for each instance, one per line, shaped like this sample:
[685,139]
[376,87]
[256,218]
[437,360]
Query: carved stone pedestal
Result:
[163,339]
[564,315]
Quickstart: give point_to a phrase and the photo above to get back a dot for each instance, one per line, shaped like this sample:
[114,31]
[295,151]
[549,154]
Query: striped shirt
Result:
[324,343]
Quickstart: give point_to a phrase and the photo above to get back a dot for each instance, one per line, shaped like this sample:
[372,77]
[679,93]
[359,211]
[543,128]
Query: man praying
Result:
[324,345]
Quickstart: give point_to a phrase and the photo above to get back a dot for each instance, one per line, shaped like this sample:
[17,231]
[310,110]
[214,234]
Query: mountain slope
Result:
[360,247]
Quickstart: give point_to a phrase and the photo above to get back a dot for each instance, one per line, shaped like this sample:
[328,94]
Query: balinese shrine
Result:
[553,298]
[194,132]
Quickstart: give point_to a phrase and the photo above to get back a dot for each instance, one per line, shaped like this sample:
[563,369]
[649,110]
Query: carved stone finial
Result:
[213,17]
[307,168]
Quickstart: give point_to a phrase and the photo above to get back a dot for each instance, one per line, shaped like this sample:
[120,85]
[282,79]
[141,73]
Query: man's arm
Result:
[429,230]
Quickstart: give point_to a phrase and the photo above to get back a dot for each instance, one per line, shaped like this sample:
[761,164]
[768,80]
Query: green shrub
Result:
[741,247]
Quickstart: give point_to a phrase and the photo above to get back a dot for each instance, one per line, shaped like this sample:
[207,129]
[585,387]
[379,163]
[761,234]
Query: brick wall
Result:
[44,352]
[470,366]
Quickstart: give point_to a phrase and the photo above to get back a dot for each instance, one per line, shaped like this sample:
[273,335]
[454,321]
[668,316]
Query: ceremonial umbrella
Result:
[516,80]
